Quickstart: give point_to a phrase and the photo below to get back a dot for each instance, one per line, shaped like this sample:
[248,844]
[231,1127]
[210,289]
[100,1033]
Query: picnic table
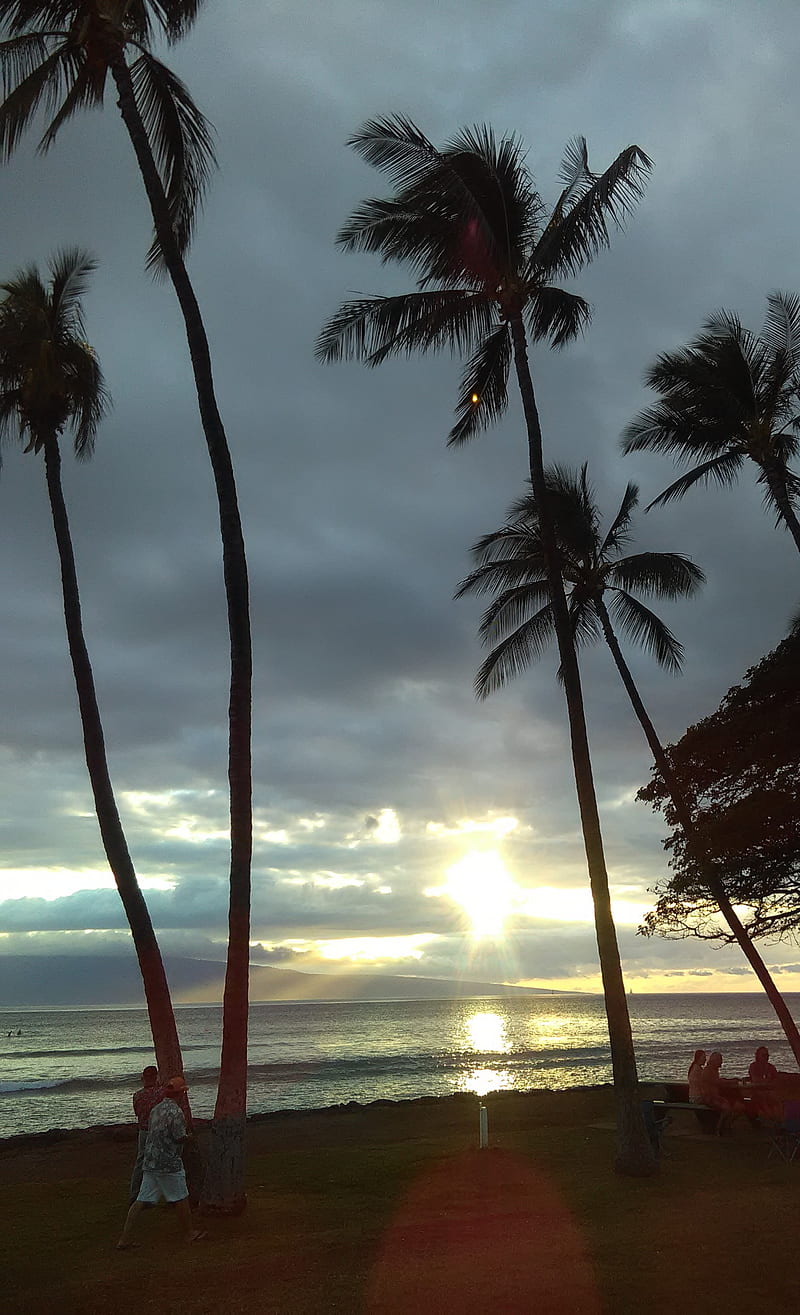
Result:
[751,1094]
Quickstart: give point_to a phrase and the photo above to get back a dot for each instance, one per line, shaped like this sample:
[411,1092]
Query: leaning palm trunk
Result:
[634,1151]
[224,1188]
[156,989]
[684,816]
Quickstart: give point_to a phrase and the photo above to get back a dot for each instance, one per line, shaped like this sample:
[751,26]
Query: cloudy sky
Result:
[387,801]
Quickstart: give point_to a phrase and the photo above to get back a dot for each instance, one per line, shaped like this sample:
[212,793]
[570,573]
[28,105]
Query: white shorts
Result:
[170,1186]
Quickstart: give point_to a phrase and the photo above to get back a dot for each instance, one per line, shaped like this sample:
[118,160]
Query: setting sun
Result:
[480,884]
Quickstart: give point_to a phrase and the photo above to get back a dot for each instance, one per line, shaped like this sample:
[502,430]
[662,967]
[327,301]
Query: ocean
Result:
[72,1068]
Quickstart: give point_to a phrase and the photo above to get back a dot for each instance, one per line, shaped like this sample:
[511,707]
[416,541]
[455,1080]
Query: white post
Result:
[484,1127]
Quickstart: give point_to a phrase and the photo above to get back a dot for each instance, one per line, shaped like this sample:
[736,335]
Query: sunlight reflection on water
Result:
[487,1032]
[484,1080]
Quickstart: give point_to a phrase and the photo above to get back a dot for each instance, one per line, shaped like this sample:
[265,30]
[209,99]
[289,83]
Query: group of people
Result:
[159,1173]
[707,1086]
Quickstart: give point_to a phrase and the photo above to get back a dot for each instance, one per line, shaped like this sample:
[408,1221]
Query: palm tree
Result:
[51,381]
[519,623]
[598,582]
[471,225]
[731,396]
[59,55]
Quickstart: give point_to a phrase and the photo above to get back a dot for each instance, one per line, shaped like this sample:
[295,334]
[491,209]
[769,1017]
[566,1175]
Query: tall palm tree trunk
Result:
[156,989]
[776,483]
[684,816]
[634,1152]
[224,1187]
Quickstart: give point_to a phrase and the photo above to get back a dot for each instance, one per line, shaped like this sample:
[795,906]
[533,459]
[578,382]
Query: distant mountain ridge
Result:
[81,981]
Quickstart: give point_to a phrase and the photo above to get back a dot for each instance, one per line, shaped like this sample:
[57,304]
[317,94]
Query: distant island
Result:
[81,981]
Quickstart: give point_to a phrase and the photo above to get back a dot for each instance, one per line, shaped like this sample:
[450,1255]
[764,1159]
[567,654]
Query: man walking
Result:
[143,1102]
[163,1174]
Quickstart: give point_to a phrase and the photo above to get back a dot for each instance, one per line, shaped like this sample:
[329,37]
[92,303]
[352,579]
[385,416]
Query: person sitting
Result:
[729,1103]
[696,1078]
[761,1070]
[763,1104]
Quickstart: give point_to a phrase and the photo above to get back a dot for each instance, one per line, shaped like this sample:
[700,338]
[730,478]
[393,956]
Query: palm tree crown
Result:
[729,396]
[58,56]
[50,378]
[485,248]
[519,622]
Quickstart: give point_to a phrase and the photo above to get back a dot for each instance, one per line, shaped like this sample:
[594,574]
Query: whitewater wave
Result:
[338,1069]
[83,1051]
[14,1088]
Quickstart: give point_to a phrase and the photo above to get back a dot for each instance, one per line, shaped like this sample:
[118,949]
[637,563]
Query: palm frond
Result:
[724,324]
[9,414]
[714,381]
[494,182]
[502,574]
[619,530]
[513,655]
[722,470]
[575,174]
[555,315]
[393,229]
[674,430]
[584,621]
[39,15]
[175,17]
[646,629]
[20,56]
[517,540]
[180,137]
[485,378]
[45,86]
[582,230]
[88,398]
[372,328]
[780,335]
[781,329]
[657,574]
[70,271]
[781,486]
[394,145]
[512,608]
[443,218]
[574,513]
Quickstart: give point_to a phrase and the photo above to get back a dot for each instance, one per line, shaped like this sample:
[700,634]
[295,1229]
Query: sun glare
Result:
[480,884]
[483,1080]
[487,1032]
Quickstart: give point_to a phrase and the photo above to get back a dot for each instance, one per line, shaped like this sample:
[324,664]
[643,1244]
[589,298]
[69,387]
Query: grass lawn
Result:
[391,1210]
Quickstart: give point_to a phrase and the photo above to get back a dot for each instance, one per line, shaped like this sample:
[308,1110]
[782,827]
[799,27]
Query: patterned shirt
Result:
[143,1102]
[165,1134]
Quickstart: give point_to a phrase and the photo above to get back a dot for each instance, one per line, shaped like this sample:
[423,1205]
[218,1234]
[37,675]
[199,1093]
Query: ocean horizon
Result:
[75,1067]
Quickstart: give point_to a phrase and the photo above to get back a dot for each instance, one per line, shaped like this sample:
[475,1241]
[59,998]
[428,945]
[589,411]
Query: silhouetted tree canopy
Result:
[740,768]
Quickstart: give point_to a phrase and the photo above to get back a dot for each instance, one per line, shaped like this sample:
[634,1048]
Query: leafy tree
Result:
[59,56]
[487,253]
[51,381]
[740,769]
[729,397]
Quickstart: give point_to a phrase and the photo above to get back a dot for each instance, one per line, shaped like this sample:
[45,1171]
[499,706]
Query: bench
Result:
[706,1115]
